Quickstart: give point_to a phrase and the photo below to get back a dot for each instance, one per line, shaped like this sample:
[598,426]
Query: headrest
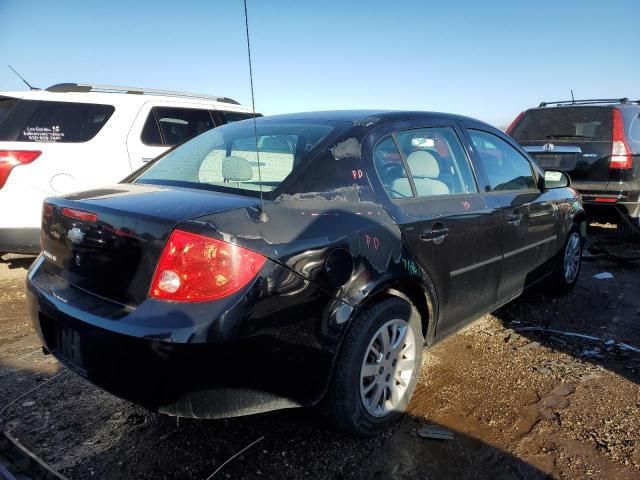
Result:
[423,164]
[236,169]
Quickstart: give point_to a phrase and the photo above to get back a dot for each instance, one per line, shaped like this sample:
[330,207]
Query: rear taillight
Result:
[620,152]
[195,268]
[12,158]
[80,214]
[514,123]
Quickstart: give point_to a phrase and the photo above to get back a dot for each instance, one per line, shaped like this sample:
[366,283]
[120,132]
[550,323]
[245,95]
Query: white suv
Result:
[73,137]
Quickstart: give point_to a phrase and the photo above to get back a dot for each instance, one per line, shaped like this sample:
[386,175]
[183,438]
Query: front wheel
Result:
[377,368]
[567,263]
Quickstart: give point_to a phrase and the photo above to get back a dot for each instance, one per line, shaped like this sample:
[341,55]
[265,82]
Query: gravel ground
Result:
[521,403]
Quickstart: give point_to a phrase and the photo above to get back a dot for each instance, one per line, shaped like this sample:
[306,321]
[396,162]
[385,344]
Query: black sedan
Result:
[305,259]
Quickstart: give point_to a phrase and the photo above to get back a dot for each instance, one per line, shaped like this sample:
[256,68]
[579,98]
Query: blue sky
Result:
[486,59]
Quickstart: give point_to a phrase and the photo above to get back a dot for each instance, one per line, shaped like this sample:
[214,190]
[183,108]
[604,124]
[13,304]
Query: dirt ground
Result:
[521,403]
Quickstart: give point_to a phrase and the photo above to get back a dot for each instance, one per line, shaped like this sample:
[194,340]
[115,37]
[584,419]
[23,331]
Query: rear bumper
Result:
[606,201]
[19,240]
[174,362]
[611,208]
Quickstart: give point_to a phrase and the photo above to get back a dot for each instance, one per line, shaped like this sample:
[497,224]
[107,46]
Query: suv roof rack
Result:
[588,102]
[89,87]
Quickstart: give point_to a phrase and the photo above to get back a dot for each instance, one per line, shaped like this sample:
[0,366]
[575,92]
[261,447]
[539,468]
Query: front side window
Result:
[505,167]
[435,158]
[54,122]
[168,126]
[227,157]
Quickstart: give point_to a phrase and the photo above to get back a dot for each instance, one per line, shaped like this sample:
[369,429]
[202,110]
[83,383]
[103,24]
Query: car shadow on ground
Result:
[85,433]
[606,309]
[18,261]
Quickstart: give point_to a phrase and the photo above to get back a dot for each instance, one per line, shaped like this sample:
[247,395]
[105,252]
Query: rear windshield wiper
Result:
[566,135]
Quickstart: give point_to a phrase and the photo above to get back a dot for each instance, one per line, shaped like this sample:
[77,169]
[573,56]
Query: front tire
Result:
[567,264]
[377,368]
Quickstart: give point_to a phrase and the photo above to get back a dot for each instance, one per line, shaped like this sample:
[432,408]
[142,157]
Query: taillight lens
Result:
[80,214]
[514,123]
[195,268]
[620,152]
[13,158]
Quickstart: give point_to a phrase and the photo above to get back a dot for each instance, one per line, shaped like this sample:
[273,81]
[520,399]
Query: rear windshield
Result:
[6,104]
[565,123]
[226,157]
[63,122]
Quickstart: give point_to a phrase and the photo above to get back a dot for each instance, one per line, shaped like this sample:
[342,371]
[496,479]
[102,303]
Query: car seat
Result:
[425,171]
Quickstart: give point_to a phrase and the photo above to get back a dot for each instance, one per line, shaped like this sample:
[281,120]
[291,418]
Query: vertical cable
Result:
[253,104]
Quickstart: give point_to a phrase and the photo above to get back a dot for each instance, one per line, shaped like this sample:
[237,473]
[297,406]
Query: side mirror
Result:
[556,179]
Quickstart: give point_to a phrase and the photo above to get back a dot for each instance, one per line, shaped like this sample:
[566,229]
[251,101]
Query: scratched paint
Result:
[347,148]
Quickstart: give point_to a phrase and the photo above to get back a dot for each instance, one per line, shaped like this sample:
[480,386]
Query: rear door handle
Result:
[147,159]
[437,234]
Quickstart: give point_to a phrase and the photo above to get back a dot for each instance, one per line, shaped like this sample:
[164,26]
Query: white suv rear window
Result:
[63,122]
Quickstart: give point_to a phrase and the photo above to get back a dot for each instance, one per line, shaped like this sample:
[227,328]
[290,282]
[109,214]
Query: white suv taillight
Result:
[621,156]
[12,158]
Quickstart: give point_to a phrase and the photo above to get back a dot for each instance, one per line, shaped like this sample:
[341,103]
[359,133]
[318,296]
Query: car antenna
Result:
[573,100]
[263,216]
[20,76]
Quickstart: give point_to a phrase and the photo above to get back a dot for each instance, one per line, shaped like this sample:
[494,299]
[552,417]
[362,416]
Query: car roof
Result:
[602,103]
[123,97]
[361,116]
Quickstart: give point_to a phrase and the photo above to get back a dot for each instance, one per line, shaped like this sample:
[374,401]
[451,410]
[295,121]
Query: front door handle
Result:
[437,234]
[514,219]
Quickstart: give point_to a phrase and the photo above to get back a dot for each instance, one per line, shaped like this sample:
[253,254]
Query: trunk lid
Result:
[582,160]
[108,241]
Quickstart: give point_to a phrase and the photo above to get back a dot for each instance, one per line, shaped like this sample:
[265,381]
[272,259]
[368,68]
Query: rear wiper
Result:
[567,135]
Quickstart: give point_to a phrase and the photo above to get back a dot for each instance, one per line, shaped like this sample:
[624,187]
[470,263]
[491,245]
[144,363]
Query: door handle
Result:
[437,234]
[514,219]
[147,159]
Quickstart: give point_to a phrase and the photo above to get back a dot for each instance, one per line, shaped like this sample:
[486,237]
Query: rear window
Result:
[231,117]
[6,104]
[63,122]
[226,156]
[565,123]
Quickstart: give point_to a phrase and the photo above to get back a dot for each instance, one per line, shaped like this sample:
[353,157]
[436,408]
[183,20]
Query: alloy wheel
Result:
[387,368]
[572,254]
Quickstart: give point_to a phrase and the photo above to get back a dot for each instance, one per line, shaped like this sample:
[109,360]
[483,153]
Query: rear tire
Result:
[566,267]
[377,368]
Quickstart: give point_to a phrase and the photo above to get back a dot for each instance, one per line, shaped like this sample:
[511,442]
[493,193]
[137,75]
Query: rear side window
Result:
[6,104]
[56,122]
[435,158]
[168,126]
[391,170]
[231,117]
[505,167]
[565,123]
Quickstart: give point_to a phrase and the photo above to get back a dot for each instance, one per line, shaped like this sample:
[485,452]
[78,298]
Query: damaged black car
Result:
[304,259]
